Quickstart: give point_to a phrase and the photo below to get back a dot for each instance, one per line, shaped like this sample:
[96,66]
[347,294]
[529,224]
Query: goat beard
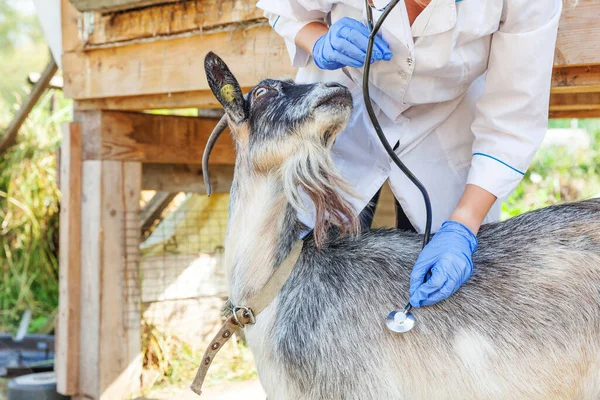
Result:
[311,171]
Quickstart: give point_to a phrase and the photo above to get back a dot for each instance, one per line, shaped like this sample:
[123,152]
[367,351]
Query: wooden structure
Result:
[125,56]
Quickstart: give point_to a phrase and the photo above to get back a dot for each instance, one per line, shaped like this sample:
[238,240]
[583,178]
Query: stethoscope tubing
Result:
[369,106]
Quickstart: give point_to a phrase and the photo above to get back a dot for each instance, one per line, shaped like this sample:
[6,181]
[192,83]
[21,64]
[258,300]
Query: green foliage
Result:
[29,205]
[559,174]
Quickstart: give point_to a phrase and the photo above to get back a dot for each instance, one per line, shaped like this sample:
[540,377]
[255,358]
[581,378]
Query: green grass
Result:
[29,206]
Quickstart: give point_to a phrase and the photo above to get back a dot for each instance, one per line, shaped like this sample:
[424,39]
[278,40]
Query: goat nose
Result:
[333,85]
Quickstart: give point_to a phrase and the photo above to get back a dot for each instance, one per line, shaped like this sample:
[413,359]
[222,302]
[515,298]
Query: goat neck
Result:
[261,231]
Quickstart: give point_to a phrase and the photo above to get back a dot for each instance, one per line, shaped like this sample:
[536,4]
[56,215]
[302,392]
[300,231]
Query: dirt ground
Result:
[249,390]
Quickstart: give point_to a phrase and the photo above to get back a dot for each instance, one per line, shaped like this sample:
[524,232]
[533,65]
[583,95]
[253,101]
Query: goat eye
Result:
[260,91]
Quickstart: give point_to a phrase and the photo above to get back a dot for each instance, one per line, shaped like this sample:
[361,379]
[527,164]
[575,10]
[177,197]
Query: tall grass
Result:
[29,206]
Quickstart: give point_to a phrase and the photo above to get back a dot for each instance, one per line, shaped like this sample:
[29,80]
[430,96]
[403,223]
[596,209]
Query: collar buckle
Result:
[243,313]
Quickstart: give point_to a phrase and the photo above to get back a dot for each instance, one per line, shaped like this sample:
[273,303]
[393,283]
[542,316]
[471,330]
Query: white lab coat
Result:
[466,96]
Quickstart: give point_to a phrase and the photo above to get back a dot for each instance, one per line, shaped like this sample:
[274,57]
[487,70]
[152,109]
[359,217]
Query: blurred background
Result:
[565,169]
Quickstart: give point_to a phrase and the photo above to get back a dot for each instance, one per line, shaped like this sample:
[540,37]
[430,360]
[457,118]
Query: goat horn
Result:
[214,136]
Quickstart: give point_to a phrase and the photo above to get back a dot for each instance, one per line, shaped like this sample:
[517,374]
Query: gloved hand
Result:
[346,45]
[448,257]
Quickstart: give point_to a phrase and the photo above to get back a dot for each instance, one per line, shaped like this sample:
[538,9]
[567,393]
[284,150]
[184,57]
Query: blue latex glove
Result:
[346,45]
[448,257]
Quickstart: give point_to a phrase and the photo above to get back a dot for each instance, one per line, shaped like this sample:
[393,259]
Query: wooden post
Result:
[110,331]
[114,145]
[67,335]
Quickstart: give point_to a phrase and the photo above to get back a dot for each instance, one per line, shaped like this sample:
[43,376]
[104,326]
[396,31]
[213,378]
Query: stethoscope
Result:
[400,321]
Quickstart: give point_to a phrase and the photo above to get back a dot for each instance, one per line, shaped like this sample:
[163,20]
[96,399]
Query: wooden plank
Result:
[192,99]
[113,340]
[578,34]
[110,364]
[70,17]
[129,136]
[577,79]
[120,338]
[67,335]
[168,66]
[185,178]
[169,19]
[91,242]
[575,101]
[581,114]
[113,5]
[154,209]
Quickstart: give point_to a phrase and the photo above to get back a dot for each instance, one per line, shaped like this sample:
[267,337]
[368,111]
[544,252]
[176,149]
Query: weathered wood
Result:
[170,66]
[110,345]
[199,16]
[185,178]
[578,34]
[69,311]
[575,101]
[91,243]
[113,5]
[192,99]
[581,114]
[71,36]
[154,209]
[129,136]
[120,335]
[578,79]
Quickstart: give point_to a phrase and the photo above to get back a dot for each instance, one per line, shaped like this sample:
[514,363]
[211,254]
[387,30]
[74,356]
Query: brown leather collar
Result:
[241,316]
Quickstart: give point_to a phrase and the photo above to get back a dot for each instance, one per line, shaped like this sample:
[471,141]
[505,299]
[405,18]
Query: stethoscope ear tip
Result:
[400,321]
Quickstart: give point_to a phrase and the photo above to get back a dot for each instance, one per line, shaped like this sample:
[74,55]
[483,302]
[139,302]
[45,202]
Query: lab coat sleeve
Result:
[512,114]
[287,17]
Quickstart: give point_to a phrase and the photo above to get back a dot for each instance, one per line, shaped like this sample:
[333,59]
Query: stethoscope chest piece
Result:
[400,321]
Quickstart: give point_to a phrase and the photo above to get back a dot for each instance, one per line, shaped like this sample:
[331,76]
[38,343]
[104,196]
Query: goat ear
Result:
[225,88]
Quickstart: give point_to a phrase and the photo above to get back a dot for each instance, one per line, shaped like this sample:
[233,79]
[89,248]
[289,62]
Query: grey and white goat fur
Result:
[525,326]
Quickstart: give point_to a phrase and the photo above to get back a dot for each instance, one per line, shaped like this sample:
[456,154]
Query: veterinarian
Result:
[461,89]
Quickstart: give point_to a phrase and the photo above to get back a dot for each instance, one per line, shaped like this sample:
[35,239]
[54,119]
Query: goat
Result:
[526,325]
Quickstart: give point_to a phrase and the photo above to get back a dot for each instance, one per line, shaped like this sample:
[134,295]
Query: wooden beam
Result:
[581,114]
[129,136]
[577,79]
[185,178]
[113,5]
[110,365]
[200,16]
[578,34]
[70,21]
[192,99]
[168,66]
[154,209]
[69,311]
[21,115]
[575,101]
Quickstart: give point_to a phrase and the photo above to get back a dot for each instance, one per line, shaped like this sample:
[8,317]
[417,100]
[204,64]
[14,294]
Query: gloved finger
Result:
[438,279]
[361,33]
[419,272]
[383,47]
[346,60]
[336,56]
[359,40]
[351,52]
[433,297]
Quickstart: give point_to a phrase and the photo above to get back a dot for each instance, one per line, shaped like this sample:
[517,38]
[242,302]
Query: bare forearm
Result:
[473,206]
[308,35]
